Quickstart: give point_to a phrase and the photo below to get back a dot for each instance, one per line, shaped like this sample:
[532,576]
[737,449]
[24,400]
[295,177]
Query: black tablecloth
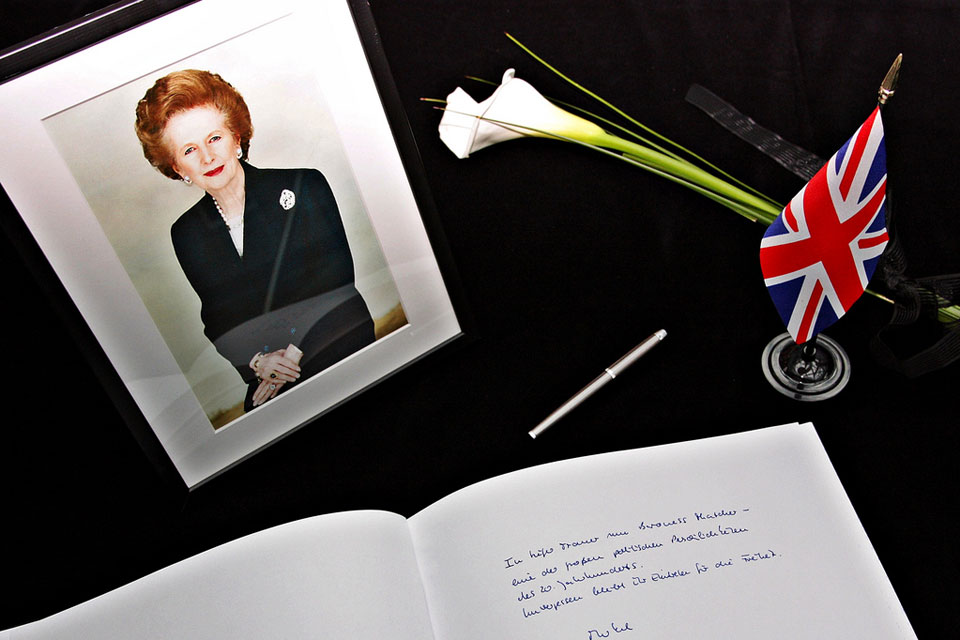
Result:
[567,259]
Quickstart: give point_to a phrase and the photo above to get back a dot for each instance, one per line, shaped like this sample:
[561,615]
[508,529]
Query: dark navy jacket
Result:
[290,255]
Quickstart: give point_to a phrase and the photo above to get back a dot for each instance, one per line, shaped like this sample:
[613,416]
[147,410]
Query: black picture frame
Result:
[90,274]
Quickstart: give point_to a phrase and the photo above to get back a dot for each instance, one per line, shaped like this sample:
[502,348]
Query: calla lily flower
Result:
[515,110]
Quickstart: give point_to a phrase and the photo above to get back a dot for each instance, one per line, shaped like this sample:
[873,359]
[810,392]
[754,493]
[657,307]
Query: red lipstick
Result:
[214,172]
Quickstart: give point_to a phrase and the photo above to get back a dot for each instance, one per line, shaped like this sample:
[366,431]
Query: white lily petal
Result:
[466,125]
[458,127]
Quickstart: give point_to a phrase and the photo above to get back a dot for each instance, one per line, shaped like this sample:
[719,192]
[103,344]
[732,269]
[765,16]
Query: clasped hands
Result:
[273,369]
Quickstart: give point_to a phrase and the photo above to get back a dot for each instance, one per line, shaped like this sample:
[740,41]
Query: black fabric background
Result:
[567,259]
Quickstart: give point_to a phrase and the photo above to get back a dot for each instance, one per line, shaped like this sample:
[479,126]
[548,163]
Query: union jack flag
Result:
[818,255]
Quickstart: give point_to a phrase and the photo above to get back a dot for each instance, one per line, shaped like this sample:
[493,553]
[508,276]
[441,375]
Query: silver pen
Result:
[608,374]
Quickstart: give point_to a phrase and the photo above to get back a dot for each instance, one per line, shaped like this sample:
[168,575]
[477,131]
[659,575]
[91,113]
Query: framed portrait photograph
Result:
[228,200]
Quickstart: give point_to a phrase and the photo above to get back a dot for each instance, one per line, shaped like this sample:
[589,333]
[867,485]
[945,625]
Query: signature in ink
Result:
[594,634]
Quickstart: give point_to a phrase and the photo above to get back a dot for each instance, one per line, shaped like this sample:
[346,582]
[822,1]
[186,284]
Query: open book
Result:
[748,535]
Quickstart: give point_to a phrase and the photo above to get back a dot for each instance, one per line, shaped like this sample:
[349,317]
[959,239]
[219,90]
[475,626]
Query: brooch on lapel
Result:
[287,199]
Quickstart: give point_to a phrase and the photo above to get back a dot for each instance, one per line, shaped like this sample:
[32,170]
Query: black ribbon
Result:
[794,159]
[913,298]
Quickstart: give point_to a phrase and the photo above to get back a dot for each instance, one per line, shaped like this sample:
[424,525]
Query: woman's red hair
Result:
[181,91]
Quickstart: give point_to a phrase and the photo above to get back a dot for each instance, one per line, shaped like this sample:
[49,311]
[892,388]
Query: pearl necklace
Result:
[233,223]
[234,227]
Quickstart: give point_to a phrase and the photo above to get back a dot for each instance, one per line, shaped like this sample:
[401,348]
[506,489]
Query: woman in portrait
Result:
[264,249]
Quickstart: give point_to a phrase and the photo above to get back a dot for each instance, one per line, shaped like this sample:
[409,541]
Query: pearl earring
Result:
[239,153]
[187,181]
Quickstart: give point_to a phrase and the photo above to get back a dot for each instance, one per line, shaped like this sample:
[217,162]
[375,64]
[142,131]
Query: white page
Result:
[611,546]
[349,575]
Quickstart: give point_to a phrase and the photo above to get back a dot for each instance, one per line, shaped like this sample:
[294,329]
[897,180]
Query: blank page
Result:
[349,575]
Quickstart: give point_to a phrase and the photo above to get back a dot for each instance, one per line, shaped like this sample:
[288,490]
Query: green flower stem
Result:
[949,316]
[762,210]
[676,170]
[627,116]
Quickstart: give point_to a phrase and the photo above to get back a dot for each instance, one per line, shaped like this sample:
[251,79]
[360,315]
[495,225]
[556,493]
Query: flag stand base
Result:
[816,370]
